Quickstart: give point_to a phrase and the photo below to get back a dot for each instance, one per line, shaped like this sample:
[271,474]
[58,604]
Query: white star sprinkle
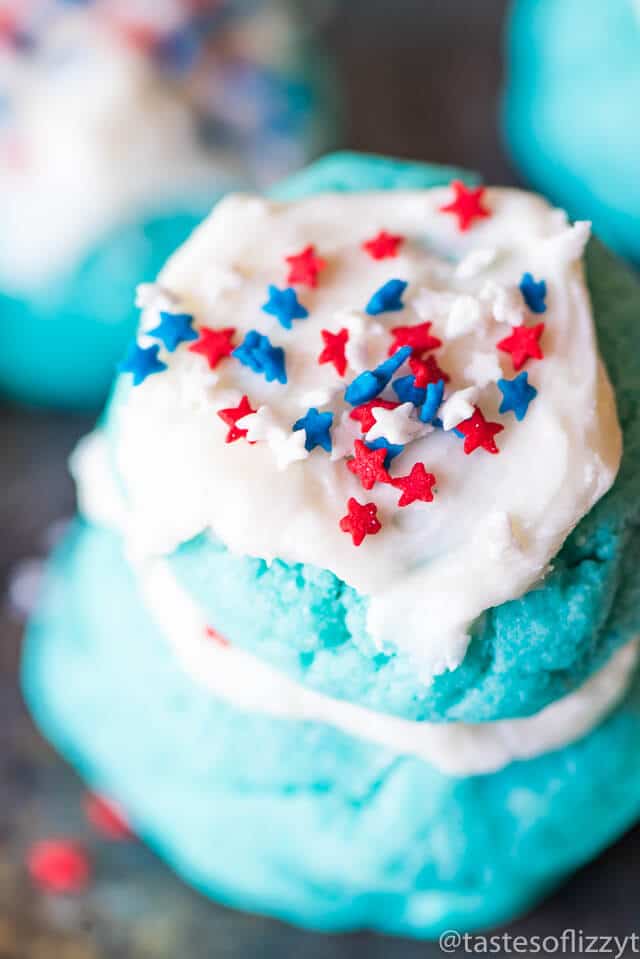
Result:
[483,369]
[399,426]
[475,262]
[506,303]
[262,426]
[343,436]
[459,407]
[465,314]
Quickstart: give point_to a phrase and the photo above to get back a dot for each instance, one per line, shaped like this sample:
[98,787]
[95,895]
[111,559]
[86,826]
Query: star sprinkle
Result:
[384,246]
[59,866]
[257,352]
[479,433]
[173,329]
[466,205]
[390,450]
[258,425]
[368,465]
[107,818]
[364,413]
[516,395]
[288,447]
[432,402]
[305,267]
[416,487]
[397,426]
[504,302]
[231,415]
[285,306]
[407,392]
[142,362]
[483,368]
[368,384]
[388,299]
[334,349]
[417,337]
[465,314]
[316,426]
[523,344]
[427,371]
[214,345]
[533,293]
[460,406]
[360,521]
[344,435]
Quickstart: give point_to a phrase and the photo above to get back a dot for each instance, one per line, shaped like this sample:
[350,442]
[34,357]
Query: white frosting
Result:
[102,138]
[459,749]
[432,570]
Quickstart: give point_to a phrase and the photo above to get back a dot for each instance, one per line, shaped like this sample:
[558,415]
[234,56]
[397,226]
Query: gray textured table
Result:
[421,80]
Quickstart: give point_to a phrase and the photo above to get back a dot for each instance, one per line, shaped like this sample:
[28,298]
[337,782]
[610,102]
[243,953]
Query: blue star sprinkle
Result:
[316,426]
[388,299]
[368,384]
[533,293]
[173,329]
[433,400]
[516,395]
[407,392]
[142,362]
[392,449]
[285,306]
[257,352]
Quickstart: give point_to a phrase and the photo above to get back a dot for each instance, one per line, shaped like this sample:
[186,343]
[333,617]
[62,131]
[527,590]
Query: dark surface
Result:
[421,80]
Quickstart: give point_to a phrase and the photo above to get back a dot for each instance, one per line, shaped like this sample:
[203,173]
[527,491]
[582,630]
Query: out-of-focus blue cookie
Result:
[570,109]
[524,654]
[295,819]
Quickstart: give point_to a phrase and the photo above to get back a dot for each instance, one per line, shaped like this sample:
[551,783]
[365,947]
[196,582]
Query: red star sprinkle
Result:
[107,818]
[466,204]
[417,486]
[417,337]
[523,344]
[59,865]
[304,267]
[217,637]
[478,432]
[383,246]
[426,371]
[360,521]
[368,465]
[231,415]
[214,345]
[333,352]
[363,414]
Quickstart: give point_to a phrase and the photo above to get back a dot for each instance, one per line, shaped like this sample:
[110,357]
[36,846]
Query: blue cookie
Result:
[524,654]
[295,819]
[570,109]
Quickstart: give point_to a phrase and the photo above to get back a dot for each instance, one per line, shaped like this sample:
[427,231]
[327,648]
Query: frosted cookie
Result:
[347,570]
[578,141]
[120,124]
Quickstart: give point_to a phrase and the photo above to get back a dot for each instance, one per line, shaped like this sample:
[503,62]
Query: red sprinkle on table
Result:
[107,818]
[360,521]
[334,349]
[59,866]
[304,267]
[466,204]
